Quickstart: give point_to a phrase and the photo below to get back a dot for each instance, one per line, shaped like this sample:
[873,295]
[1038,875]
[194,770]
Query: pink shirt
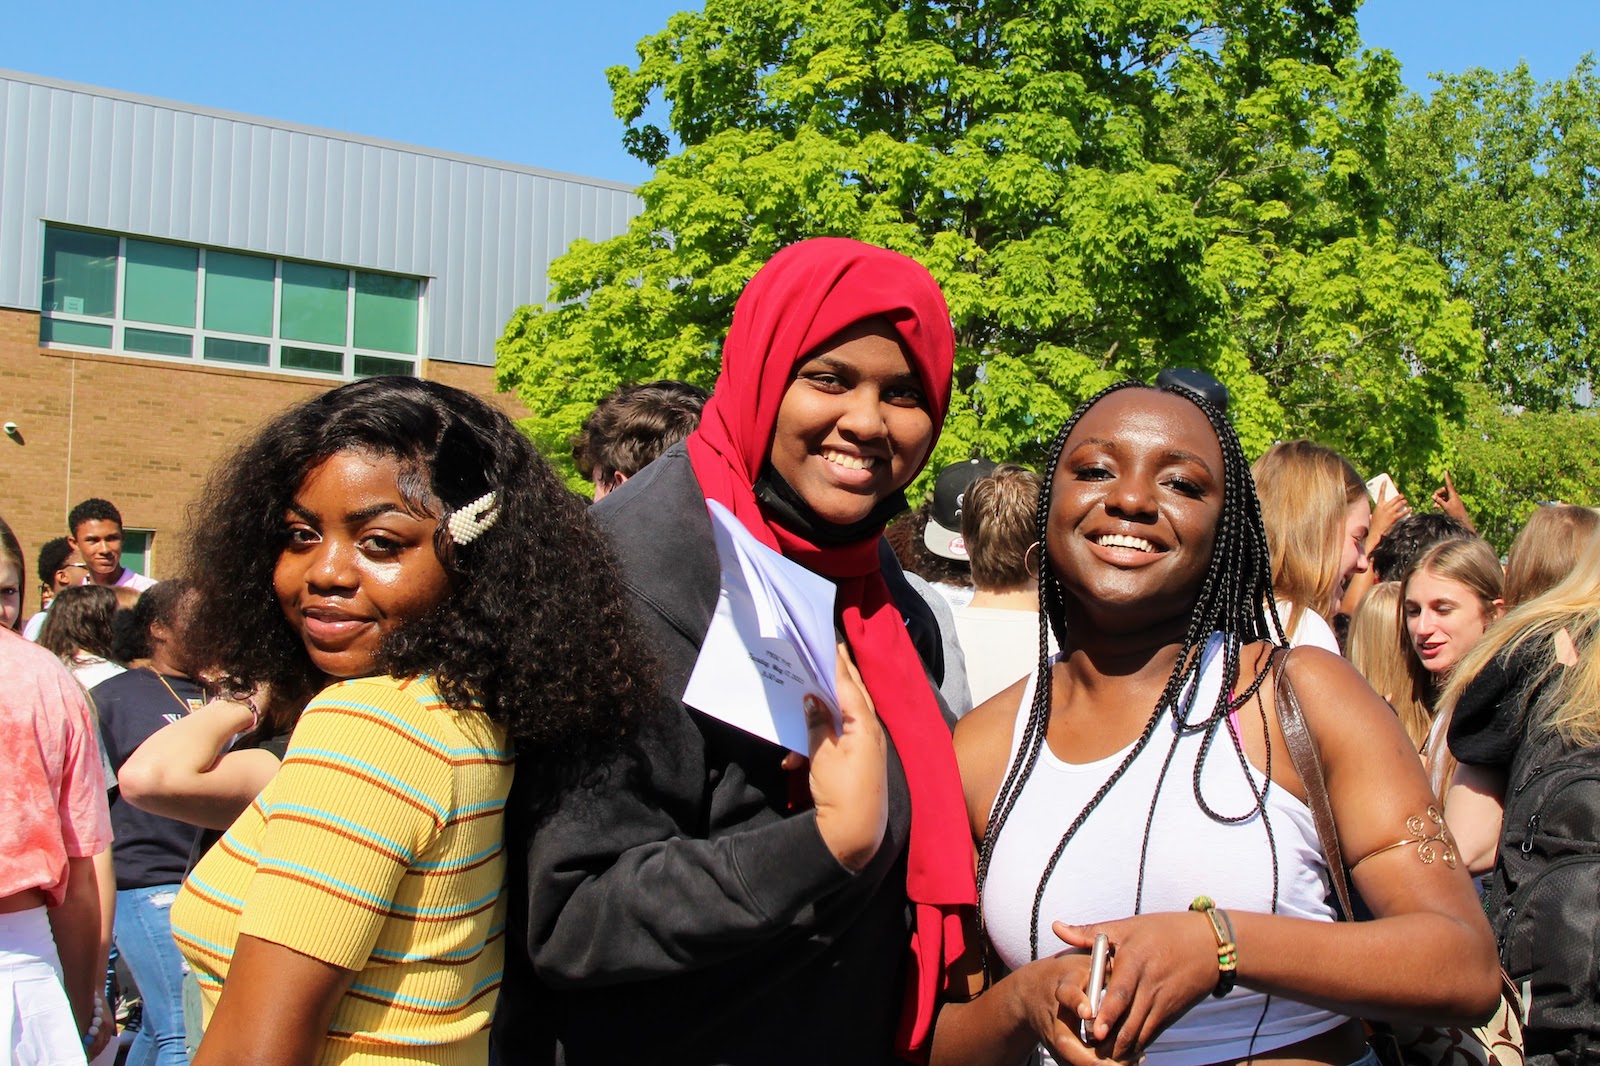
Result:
[137,582]
[52,791]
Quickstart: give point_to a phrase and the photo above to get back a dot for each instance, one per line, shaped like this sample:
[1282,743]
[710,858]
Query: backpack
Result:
[1544,897]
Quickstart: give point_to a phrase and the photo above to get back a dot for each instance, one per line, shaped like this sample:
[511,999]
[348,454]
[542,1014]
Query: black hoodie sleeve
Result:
[678,856]
[622,885]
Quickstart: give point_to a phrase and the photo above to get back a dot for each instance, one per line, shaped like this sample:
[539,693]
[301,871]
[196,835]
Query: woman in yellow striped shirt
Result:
[396,544]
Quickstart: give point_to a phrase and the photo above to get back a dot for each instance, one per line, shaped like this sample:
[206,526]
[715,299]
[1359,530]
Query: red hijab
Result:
[805,295]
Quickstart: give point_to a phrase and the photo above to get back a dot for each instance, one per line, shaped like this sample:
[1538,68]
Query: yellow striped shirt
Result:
[376,848]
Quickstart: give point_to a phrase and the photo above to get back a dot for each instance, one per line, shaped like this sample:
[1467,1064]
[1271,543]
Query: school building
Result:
[172,275]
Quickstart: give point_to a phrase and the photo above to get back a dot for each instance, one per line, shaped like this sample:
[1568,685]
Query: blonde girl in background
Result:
[1316,512]
[1379,648]
[1557,543]
[1547,549]
[1450,597]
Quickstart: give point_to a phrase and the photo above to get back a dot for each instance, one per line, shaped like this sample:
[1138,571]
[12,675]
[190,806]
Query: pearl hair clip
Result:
[467,523]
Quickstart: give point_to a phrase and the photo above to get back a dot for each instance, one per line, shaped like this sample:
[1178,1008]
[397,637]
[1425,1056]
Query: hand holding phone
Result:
[1099,960]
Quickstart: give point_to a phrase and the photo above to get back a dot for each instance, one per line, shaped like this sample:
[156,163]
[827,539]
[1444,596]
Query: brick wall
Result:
[140,433]
[478,380]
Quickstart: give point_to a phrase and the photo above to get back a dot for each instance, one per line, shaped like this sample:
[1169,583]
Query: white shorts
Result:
[36,1022]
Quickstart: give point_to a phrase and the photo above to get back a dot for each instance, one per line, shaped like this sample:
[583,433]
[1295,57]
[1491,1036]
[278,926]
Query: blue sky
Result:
[524,82]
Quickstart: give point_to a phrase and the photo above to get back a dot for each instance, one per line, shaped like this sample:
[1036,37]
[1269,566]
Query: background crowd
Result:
[404,759]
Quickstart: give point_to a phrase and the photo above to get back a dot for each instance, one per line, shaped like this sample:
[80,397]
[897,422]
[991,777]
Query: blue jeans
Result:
[143,932]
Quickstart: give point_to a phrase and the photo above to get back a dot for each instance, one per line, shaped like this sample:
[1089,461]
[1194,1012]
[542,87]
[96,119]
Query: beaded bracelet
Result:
[94,1025]
[1227,952]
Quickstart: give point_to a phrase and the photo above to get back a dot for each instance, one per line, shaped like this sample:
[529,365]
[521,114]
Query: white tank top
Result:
[1189,855]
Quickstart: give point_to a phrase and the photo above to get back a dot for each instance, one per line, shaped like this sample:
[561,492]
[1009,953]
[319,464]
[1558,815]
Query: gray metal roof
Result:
[483,232]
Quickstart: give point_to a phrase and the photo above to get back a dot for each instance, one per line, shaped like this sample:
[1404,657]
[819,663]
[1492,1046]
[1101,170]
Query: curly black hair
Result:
[534,632]
[53,557]
[163,603]
[1407,541]
[93,509]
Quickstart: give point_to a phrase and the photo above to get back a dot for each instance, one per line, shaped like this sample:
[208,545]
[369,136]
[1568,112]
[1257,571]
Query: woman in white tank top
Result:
[1144,766]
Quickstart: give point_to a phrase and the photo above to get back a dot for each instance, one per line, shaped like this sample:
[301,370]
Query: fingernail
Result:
[813,704]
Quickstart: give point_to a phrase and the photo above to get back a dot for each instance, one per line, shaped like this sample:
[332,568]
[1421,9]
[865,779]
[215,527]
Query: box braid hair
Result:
[1235,598]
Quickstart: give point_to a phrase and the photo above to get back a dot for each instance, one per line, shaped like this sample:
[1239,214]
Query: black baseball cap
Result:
[943,532]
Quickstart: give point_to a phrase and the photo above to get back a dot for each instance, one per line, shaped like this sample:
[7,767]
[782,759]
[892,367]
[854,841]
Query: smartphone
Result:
[1099,959]
[1382,488]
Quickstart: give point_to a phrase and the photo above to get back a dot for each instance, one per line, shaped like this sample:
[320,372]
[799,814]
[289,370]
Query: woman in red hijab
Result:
[712,898]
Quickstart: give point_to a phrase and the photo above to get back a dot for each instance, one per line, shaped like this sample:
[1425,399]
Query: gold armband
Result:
[1432,842]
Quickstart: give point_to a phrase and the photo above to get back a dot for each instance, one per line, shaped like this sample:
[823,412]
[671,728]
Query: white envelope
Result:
[771,641]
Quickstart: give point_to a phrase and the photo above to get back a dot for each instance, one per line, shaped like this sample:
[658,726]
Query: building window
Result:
[176,301]
[136,549]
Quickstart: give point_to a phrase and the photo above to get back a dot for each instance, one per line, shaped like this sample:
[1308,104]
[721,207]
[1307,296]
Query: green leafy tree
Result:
[1102,187]
[1509,461]
[1495,175]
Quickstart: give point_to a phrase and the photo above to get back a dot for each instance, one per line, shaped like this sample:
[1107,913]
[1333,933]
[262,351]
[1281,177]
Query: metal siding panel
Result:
[257,167]
[122,189]
[561,197]
[349,193]
[156,166]
[236,211]
[141,122]
[15,242]
[277,227]
[173,173]
[498,254]
[447,272]
[361,241]
[406,207]
[520,226]
[388,209]
[506,287]
[62,196]
[476,265]
[201,175]
[353,230]
[539,236]
[329,238]
[53,130]
[430,185]
[316,181]
[588,214]
[296,165]
[427,201]
[213,225]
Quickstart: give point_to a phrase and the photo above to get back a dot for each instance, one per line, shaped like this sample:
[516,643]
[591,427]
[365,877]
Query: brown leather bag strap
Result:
[1308,764]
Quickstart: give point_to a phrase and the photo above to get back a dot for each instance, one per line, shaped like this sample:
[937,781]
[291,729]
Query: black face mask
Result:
[786,507]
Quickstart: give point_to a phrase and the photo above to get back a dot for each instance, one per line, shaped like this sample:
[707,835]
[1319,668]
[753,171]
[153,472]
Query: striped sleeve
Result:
[363,791]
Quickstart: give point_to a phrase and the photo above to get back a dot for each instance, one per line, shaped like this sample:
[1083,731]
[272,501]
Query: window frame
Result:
[148,554]
[198,333]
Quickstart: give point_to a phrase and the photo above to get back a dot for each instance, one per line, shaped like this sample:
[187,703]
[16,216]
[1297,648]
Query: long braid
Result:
[1050,618]
[1234,597]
